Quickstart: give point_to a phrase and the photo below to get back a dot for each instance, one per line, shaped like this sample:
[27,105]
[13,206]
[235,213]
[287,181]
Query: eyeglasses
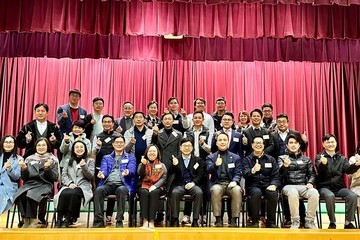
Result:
[226,119]
[9,142]
[186,145]
[258,143]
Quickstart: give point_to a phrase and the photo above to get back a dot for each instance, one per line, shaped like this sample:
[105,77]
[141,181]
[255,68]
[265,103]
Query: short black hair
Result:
[282,115]
[98,99]
[108,116]
[169,113]
[151,103]
[257,136]
[184,140]
[200,99]
[172,98]
[293,136]
[269,105]
[258,111]
[228,114]
[79,123]
[42,105]
[198,112]
[138,112]
[219,99]
[328,136]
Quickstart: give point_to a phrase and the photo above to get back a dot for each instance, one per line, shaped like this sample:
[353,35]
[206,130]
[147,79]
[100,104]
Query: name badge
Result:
[268,165]
[174,133]
[231,165]
[236,139]
[196,165]
[33,162]
[158,166]
[144,137]
[176,122]
[107,139]
[125,161]
[300,162]
[266,137]
[82,116]
[203,137]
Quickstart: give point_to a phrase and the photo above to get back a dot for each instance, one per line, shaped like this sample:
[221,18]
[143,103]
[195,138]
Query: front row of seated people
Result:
[263,176]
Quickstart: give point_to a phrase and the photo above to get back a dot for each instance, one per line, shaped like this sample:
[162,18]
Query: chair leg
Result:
[88,215]
[13,217]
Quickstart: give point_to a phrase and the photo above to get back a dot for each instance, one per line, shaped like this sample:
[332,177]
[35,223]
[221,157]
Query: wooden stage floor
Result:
[162,233]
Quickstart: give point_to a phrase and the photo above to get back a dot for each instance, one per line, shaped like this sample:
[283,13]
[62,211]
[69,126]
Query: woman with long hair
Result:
[76,177]
[9,172]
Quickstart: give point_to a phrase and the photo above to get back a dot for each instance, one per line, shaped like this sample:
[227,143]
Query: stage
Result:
[178,234]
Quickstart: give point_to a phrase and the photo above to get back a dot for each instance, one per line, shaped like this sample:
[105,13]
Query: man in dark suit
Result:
[255,130]
[69,113]
[188,172]
[235,137]
[125,122]
[224,168]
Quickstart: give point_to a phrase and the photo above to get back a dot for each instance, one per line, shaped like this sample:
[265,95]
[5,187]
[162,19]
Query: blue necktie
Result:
[186,162]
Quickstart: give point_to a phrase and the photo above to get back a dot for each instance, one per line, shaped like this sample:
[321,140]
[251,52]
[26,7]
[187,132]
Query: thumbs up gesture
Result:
[287,161]
[323,159]
[218,161]
[257,166]
[143,160]
[125,172]
[155,129]
[52,138]
[101,175]
[22,164]
[8,164]
[66,138]
[28,137]
[304,137]
[64,114]
[82,163]
[175,161]
[48,163]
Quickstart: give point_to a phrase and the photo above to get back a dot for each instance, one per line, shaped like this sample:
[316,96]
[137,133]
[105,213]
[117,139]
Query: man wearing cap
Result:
[71,112]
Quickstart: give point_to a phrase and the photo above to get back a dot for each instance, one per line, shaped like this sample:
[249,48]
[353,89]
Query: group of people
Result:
[148,157]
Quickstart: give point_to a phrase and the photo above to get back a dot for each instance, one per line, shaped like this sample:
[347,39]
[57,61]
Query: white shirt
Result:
[283,135]
[41,126]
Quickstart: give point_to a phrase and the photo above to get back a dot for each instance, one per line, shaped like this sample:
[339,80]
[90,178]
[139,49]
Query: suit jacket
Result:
[276,137]
[233,167]
[235,143]
[250,134]
[31,127]
[168,145]
[196,167]
[66,123]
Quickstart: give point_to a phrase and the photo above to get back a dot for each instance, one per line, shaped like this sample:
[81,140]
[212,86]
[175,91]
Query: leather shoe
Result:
[195,223]
[98,225]
[119,224]
[271,225]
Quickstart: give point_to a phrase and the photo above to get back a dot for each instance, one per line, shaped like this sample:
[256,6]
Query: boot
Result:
[59,220]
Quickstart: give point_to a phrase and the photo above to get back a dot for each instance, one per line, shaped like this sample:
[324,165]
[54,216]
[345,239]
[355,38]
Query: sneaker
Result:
[332,226]
[186,220]
[203,220]
[349,226]
[310,225]
[295,224]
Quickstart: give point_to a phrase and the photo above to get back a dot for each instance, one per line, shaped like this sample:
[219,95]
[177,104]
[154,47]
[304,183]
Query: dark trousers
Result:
[271,197]
[69,203]
[102,192]
[149,202]
[178,192]
[27,206]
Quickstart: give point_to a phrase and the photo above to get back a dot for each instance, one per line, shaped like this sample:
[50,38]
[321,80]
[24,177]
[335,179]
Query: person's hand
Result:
[82,163]
[133,140]
[244,140]
[155,129]
[22,164]
[64,114]
[183,112]
[72,185]
[93,121]
[143,160]
[48,163]
[309,186]
[256,167]
[357,160]
[7,164]
[189,185]
[125,172]
[175,161]
[323,159]
[232,184]
[271,187]
[101,175]
[52,137]
[28,137]
[99,142]
[152,188]
[304,137]
[218,161]
[287,161]
[66,138]
[201,141]
[119,129]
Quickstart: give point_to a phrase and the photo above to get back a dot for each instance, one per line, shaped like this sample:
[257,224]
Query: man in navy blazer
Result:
[71,112]
[224,168]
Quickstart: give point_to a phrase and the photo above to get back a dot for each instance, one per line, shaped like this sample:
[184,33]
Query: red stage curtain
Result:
[235,20]
[318,97]
[57,45]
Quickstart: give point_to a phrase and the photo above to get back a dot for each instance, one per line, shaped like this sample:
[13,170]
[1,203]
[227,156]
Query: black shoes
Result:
[195,223]
[332,226]
[349,226]
[218,222]
[98,224]
[233,223]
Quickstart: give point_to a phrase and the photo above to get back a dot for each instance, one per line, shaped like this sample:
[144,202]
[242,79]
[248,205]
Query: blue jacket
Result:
[9,182]
[233,167]
[66,123]
[128,161]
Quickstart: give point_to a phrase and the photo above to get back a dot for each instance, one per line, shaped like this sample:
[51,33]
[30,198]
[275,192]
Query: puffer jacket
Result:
[299,172]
